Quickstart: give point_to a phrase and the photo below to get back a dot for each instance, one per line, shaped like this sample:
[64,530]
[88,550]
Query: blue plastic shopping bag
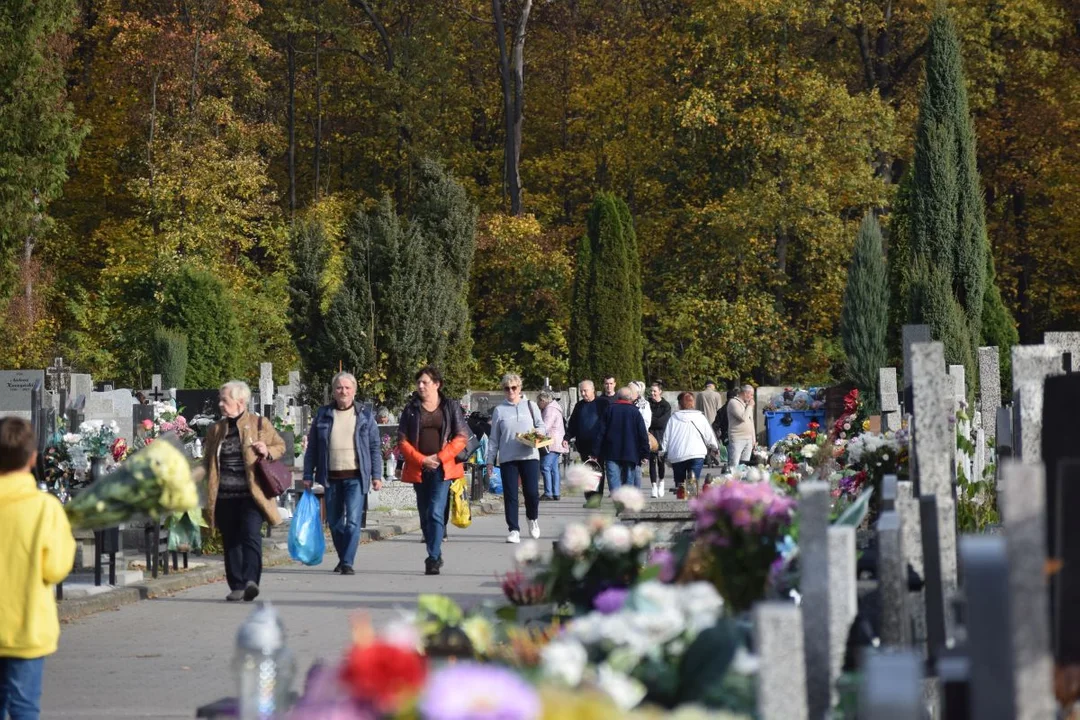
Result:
[306,541]
[495,481]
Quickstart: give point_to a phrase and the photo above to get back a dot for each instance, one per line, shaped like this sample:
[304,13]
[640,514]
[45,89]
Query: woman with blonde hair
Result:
[518,461]
[235,504]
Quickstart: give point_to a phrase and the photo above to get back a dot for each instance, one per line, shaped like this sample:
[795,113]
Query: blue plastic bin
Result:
[781,423]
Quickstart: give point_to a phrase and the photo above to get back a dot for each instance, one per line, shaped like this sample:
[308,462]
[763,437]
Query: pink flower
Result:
[741,518]
[148,424]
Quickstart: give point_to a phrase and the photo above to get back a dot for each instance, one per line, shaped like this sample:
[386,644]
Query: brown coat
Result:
[249,433]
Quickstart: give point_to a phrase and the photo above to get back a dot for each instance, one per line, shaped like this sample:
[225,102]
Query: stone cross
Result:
[843,595]
[890,403]
[935,441]
[891,686]
[58,373]
[292,389]
[156,382]
[781,677]
[266,385]
[989,387]
[1031,365]
[1025,542]
[986,585]
[892,581]
[814,501]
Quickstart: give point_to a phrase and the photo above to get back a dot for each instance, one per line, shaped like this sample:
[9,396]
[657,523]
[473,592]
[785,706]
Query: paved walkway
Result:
[163,658]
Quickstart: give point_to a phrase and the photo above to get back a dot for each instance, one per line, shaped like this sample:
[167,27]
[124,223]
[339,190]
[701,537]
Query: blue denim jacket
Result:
[368,449]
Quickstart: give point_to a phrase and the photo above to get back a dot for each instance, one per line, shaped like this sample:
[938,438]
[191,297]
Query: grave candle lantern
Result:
[264,665]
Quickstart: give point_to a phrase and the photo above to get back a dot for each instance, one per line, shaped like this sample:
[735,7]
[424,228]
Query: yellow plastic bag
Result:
[460,512]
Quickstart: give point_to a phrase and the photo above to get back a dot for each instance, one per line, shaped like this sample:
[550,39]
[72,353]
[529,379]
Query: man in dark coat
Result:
[623,441]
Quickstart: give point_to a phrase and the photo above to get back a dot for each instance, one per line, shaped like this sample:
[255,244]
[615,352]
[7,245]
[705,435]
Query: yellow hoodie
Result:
[37,550]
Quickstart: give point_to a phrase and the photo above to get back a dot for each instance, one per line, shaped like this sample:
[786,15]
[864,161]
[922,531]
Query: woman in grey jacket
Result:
[517,460]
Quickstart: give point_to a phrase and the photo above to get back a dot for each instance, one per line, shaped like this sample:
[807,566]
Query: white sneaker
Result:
[655,491]
[534,529]
[513,537]
[663,490]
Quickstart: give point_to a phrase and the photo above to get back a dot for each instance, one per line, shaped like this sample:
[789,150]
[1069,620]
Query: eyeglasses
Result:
[508,388]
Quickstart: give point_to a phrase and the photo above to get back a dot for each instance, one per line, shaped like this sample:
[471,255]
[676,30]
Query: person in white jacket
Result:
[688,438]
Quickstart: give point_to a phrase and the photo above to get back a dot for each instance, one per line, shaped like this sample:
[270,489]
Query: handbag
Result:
[273,476]
[654,444]
[470,448]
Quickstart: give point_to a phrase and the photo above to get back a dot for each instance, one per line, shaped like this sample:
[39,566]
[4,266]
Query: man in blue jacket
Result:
[344,456]
[623,441]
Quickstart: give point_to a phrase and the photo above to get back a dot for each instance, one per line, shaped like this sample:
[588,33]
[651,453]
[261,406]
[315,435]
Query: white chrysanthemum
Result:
[623,689]
[527,552]
[642,535]
[575,539]
[810,451]
[565,661]
[629,497]
[616,539]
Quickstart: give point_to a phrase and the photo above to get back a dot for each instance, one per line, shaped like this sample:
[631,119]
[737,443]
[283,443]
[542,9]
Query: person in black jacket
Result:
[623,441]
[582,427]
[661,413]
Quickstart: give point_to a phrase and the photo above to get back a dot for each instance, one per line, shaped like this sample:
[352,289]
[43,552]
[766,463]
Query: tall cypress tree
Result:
[864,318]
[350,319]
[310,251]
[605,333]
[947,219]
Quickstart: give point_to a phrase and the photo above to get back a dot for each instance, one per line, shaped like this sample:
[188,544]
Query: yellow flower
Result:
[560,704]
[866,425]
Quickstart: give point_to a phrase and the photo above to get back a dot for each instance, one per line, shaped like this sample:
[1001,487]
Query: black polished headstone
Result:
[934,589]
[986,584]
[198,402]
[954,676]
[1061,398]
[1065,584]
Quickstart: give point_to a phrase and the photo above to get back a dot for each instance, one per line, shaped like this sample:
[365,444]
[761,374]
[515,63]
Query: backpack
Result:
[720,423]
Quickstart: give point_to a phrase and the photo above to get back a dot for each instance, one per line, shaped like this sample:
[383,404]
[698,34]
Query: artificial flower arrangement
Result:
[797,399]
[94,439]
[154,482]
[794,458]
[167,419]
[853,420]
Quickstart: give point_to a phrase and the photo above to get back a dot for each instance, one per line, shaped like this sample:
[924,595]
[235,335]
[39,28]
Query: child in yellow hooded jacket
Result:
[38,552]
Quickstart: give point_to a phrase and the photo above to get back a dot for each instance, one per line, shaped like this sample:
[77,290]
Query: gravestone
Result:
[936,587]
[892,581]
[1031,365]
[910,335]
[266,385]
[1065,342]
[79,384]
[843,594]
[198,402]
[934,438]
[1025,540]
[907,507]
[15,389]
[989,387]
[986,588]
[889,400]
[814,502]
[891,686]
[280,407]
[959,384]
[292,389]
[115,406]
[781,677]
[979,461]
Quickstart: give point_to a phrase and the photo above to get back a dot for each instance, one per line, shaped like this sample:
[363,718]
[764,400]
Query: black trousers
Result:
[240,523]
[656,466]
[529,473]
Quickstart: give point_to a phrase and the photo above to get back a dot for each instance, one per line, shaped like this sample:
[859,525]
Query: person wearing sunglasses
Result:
[518,461]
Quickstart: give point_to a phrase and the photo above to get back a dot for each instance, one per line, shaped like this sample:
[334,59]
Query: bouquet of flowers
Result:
[154,482]
[167,419]
[795,457]
[95,438]
[743,524]
[853,421]
[595,556]
[387,445]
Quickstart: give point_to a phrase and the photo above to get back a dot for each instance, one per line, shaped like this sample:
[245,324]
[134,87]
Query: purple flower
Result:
[611,600]
[470,691]
[665,560]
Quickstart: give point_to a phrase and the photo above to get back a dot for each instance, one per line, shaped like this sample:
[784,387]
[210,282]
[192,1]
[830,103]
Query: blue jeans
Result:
[549,468]
[432,493]
[529,473]
[621,473]
[20,688]
[344,505]
[683,470]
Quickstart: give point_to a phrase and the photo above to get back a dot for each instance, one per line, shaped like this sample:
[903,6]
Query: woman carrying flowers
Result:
[235,504]
[516,415]
[431,434]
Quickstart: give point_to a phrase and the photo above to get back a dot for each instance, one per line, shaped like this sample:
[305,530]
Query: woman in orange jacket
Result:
[432,433]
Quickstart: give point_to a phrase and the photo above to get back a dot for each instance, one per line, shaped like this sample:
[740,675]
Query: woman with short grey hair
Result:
[235,503]
[518,461]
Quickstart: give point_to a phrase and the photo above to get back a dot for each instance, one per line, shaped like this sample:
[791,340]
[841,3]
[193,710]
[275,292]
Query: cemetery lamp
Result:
[264,666]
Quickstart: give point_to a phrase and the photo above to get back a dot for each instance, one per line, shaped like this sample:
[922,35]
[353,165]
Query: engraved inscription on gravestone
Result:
[15,387]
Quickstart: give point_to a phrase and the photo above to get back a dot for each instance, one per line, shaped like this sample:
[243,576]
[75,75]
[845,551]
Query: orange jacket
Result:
[458,437]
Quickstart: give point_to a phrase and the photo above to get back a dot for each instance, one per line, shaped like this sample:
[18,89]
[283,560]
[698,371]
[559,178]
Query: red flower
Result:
[383,674]
[814,425]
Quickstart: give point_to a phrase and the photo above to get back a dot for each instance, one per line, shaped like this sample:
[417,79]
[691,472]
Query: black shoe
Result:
[431,566]
[557,498]
[337,568]
[440,561]
[347,570]
[235,596]
[251,591]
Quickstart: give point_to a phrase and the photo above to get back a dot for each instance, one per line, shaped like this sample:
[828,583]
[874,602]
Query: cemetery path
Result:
[165,657]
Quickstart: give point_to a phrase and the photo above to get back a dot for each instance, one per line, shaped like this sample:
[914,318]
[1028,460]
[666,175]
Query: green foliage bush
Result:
[864,317]
[197,304]
[169,355]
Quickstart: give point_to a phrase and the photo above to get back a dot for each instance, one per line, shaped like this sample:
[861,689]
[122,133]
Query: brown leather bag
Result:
[273,476]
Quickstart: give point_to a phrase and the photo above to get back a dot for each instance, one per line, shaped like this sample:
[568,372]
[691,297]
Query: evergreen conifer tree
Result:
[310,250]
[169,355]
[197,304]
[946,220]
[864,317]
[580,340]
[350,319]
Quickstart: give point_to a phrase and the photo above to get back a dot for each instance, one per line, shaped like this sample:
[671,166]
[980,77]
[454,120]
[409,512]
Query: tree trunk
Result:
[290,51]
[512,72]
[318,113]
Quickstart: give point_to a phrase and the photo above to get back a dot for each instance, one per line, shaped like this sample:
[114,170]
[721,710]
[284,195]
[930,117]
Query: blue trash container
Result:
[781,423]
